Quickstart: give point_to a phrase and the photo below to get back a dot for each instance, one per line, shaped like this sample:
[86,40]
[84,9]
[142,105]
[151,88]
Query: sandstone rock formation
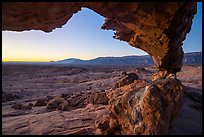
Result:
[157,28]
[143,109]
[98,98]
[57,103]
[127,80]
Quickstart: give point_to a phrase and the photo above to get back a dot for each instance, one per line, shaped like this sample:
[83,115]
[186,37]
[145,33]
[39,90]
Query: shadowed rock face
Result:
[157,28]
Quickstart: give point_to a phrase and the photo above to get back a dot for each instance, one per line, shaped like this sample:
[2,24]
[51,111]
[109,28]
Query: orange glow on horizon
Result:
[38,59]
[24,60]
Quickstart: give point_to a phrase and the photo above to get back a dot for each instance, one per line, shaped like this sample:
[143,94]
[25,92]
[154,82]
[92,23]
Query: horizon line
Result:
[83,59]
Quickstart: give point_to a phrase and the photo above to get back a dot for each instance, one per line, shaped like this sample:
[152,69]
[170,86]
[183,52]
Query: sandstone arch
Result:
[157,28]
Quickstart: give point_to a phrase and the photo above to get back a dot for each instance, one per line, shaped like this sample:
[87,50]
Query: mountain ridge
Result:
[189,58]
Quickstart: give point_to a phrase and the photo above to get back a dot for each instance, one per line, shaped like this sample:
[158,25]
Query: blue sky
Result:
[81,37]
[193,41]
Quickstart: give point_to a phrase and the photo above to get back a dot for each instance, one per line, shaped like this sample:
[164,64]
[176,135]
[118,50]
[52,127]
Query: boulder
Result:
[49,98]
[128,79]
[29,106]
[98,98]
[40,102]
[17,106]
[144,110]
[58,103]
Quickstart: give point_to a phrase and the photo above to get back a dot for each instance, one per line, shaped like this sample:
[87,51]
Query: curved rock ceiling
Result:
[157,28]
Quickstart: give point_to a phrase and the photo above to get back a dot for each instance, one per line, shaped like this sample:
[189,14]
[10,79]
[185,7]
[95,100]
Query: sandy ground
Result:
[27,83]
[190,119]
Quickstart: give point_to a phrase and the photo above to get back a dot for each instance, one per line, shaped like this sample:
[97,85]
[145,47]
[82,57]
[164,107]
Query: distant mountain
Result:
[192,58]
[71,61]
[189,58]
[126,60]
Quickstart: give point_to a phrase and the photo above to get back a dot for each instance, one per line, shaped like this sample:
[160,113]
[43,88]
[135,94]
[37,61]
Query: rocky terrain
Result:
[70,100]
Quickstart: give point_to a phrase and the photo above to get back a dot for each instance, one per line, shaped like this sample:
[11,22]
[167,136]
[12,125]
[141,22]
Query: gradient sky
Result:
[81,37]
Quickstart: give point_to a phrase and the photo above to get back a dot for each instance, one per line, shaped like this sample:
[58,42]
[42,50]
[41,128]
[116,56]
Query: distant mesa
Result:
[192,58]
[189,58]
[70,60]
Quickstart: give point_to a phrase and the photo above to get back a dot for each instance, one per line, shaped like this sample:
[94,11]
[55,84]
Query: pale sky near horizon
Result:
[81,37]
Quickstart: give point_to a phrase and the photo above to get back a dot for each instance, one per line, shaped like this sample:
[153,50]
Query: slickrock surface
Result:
[40,121]
[44,86]
[81,117]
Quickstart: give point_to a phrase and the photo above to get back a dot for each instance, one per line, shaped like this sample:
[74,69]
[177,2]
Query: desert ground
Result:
[25,85]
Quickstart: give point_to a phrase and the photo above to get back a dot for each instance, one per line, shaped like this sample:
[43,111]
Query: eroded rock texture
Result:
[157,28]
[142,108]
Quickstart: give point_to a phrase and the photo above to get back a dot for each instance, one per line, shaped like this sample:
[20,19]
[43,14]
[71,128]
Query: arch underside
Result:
[157,28]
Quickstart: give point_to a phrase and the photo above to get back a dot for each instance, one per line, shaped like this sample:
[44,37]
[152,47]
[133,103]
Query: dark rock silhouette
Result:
[40,102]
